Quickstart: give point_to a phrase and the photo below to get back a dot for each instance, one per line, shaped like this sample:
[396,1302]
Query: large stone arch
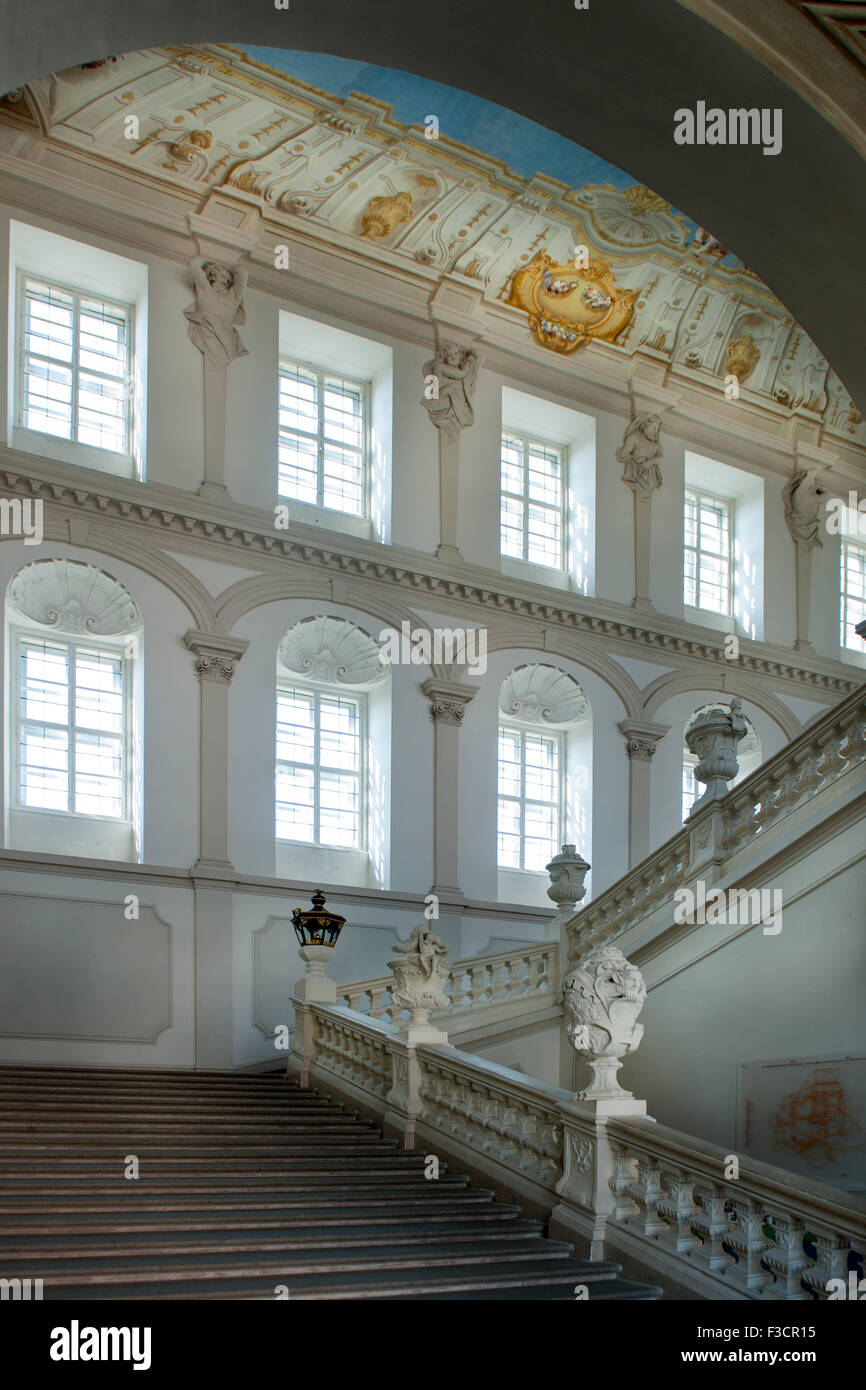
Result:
[506,54]
[678,683]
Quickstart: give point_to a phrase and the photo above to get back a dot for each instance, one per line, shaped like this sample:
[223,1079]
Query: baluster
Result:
[831,1262]
[500,982]
[748,1241]
[785,1255]
[624,1173]
[647,1191]
[678,1208]
[712,1225]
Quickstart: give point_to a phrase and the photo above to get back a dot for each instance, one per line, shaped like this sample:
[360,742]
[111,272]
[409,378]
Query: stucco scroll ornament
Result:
[602,999]
[420,973]
[456,372]
[803,509]
[217,308]
[641,446]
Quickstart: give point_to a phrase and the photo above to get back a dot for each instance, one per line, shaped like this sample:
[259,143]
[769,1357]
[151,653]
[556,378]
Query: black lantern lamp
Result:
[316,926]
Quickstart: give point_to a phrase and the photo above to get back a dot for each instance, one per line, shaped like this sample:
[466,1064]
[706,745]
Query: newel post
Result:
[602,999]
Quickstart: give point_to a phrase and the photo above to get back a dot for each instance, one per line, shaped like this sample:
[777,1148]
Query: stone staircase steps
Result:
[247,1184]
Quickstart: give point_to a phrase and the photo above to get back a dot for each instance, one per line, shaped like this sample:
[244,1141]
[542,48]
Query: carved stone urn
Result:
[713,735]
[602,999]
[420,975]
[567,873]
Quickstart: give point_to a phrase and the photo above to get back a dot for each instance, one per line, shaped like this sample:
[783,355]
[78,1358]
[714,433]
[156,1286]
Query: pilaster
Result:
[640,746]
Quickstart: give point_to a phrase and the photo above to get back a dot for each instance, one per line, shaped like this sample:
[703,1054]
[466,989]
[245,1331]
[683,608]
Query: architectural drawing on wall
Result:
[815,1120]
[810,1116]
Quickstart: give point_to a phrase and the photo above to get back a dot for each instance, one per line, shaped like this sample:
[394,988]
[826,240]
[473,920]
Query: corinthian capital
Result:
[216,656]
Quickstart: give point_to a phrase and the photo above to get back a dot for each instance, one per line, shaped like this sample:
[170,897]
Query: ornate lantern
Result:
[316,927]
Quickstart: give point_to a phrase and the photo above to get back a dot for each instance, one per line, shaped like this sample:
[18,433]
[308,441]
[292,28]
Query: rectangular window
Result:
[531,516]
[707,558]
[853,592]
[75,366]
[71,735]
[322,439]
[530,798]
[319,768]
[690,786]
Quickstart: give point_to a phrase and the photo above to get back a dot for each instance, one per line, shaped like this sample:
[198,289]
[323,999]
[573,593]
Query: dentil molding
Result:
[165,510]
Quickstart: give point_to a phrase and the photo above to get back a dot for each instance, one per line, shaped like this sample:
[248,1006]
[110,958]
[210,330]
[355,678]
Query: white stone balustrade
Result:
[479,982]
[624,1186]
[825,753]
[766,1234]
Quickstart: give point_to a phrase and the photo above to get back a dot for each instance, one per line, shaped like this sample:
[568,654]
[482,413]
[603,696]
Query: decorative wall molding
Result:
[216,656]
[479,588]
[70,596]
[334,651]
[345,171]
[539,694]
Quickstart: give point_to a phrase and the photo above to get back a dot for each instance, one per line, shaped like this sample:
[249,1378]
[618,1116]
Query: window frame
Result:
[846,628]
[358,697]
[322,374]
[559,737]
[126,654]
[728,503]
[527,440]
[128,380]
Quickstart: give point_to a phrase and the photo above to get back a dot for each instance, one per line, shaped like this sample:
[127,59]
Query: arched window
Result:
[749,756]
[74,639]
[541,776]
[326,791]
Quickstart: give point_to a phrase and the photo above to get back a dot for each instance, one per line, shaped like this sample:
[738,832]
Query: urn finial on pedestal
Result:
[420,976]
[602,998]
[713,735]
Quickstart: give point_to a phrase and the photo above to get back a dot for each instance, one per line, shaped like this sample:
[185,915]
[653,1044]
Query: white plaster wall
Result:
[534,1054]
[759,997]
[93,978]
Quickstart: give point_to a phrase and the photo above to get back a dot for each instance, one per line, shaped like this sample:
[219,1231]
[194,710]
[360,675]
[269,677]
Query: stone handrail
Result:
[765,1232]
[650,1193]
[476,982]
[819,756]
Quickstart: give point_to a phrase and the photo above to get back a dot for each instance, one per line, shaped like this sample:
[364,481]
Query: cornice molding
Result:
[169,511]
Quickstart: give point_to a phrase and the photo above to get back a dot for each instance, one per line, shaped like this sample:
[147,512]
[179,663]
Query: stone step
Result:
[248,1183]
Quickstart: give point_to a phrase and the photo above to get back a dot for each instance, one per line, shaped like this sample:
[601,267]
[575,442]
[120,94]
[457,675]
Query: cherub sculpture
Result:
[641,446]
[455,370]
[217,308]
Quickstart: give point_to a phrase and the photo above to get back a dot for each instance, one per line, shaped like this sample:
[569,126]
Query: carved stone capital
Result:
[448,700]
[641,738]
[216,656]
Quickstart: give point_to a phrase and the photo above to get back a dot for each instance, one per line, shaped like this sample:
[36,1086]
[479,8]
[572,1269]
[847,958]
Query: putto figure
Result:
[218,307]
[420,973]
[800,497]
[641,446]
[456,371]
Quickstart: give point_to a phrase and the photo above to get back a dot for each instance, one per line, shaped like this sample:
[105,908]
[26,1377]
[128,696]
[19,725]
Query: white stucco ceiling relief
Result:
[567,266]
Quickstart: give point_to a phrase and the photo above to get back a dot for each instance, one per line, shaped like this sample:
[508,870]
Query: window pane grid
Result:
[853,588]
[531,520]
[76,367]
[318,776]
[71,730]
[529,806]
[321,446]
[707,552]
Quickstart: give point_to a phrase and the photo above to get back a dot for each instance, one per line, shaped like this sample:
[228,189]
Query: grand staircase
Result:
[248,1188]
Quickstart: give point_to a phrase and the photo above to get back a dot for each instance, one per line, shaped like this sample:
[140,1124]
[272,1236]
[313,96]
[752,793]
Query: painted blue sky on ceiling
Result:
[527,148]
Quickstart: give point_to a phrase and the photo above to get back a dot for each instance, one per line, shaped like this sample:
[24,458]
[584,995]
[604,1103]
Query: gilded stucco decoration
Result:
[566,307]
